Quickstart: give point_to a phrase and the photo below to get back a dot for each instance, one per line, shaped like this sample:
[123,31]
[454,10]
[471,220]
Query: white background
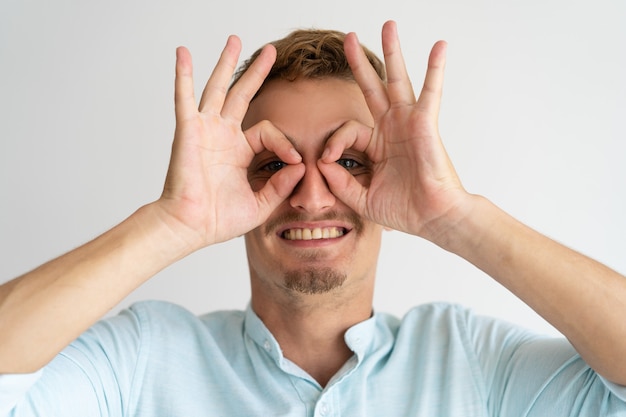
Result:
[533,118]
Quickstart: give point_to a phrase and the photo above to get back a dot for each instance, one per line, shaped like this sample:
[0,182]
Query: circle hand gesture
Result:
[413,182]
[207,197]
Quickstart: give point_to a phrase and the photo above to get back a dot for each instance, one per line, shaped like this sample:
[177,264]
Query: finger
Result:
[430,97]
[278,188]
[217,86]
[243,91]
[344,186]
[371,85]
[353,135]
[398,83]
[264,135]
[184,99]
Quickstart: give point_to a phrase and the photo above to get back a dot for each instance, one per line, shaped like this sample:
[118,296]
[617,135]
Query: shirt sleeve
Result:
[93,376]
[530,375]
[13,387]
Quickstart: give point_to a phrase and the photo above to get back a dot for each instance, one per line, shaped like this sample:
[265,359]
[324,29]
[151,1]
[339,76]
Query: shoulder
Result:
[455,319]
[427,327]
[158,323]
[425,317]
[439,316]
[445,325]
[165,317]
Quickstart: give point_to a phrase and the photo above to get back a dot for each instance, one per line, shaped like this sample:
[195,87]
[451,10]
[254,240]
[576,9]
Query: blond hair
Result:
[311,54]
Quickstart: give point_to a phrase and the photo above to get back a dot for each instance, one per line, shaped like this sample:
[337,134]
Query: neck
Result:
[310,328]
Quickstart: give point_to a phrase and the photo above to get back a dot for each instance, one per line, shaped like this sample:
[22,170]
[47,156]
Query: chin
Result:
[314,280]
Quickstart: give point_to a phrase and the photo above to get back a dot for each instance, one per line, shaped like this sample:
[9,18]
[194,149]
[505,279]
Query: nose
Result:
[312,194]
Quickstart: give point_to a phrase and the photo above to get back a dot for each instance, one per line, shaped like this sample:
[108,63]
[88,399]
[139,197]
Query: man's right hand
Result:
[207,197]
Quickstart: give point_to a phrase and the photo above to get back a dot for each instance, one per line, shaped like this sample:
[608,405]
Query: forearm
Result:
[206,199]
[582,298]
[44,310]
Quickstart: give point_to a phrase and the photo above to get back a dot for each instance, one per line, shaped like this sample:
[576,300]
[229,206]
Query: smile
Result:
[314,234]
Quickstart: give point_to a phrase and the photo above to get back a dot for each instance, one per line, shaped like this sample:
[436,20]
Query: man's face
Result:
[312,243]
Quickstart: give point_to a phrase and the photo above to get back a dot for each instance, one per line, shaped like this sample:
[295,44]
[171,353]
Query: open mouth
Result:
[314,234]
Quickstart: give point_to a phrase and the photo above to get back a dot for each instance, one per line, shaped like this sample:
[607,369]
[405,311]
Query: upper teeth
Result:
[316,233]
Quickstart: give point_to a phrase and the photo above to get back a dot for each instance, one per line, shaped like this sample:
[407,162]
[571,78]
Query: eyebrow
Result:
[326,136]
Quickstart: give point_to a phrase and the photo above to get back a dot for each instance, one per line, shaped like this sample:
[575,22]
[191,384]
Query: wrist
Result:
[166,236]
[462,225]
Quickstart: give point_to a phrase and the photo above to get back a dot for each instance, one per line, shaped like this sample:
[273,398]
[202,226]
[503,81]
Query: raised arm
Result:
[206,199]
[415,189]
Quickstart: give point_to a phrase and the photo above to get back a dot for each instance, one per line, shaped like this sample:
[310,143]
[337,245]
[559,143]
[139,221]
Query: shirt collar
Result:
[360,338]
[256,330]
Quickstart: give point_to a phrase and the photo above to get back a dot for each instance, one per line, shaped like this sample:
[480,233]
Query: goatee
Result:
[314,280]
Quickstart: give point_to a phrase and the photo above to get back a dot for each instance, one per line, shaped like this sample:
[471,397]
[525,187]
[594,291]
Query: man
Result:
[311,157]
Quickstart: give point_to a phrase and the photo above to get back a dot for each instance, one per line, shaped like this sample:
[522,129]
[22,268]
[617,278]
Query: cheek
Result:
[373,237]
[254,248]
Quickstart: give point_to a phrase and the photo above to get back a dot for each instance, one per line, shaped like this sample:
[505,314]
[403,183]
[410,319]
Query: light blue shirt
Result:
[157,359]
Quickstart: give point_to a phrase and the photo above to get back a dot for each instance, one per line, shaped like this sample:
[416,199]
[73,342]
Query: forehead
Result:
[309,109]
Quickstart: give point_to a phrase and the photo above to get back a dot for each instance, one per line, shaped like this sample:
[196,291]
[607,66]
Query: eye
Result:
[259,172]
[348,163]
[273,166]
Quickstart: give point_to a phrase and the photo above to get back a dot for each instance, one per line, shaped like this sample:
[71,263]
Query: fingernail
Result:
[295,153]
[325,154]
